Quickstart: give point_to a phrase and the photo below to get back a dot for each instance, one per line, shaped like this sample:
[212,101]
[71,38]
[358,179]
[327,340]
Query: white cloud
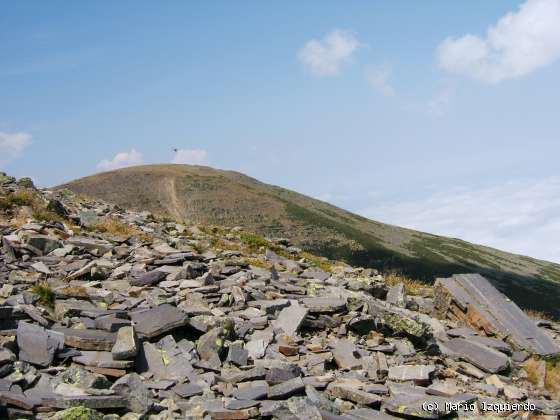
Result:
[518,44]
[121,160]
[191,156]
[326,57]
[378,77]
[520,217]
[12,146]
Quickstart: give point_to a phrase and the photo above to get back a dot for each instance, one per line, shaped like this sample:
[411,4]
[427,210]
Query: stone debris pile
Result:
[107,313]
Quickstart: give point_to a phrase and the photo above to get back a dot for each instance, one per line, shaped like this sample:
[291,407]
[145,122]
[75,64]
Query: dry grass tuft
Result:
[411,286]
[552,381]
[45,293]
[537,314]
[116,227]
[552,376]
[259,263]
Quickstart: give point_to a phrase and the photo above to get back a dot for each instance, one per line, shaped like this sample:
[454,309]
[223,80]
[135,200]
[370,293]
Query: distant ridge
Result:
[210,196]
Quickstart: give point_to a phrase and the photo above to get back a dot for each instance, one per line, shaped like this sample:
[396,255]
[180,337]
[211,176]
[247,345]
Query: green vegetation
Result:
[253,241]
[45,293]
[19,198]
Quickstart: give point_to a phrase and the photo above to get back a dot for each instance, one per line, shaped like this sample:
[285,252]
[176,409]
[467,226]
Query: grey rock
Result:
[133,388]
[286,389]
[324,304]
[87,339]
[290,318]
[126,346]
[483,357]
[148,279]
[416,373]
[396,295]
[158,320]
[37,345]
[42,244]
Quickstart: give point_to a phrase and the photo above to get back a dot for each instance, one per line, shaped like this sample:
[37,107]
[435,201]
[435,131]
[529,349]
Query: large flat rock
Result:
[483,357]
[158,320]
[470,298]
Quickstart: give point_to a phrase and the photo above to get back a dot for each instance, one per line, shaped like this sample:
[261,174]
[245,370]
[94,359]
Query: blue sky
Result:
[437,115]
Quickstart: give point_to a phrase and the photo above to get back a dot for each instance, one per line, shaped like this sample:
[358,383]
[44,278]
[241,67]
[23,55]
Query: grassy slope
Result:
[227,198]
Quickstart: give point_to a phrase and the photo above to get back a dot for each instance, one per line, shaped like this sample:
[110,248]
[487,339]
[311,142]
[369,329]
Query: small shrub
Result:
[318,262]
[43,215]
[115,227]
[45,293]
[253,241]
[19,198]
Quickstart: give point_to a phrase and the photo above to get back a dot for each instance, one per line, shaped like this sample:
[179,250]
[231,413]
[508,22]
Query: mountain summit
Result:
[226,198]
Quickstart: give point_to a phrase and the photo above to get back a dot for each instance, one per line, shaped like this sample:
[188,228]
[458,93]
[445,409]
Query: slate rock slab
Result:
[125,346]
[286,389]
[485,358]
[149,279]
[324,304]
[87,339]
[158,320]
[416,373]
[38,345]
[290,318]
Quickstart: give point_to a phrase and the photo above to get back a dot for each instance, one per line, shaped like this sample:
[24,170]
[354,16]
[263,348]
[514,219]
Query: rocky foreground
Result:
[108,314]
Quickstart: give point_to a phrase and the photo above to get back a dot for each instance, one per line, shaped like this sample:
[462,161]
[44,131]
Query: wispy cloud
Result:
[378,77]
[325,57]
[12,146]
[191,156]
[521,217]
[518,44]
[440,103]
[121,160]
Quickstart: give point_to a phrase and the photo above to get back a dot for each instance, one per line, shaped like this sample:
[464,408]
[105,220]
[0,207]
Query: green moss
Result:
[79,413]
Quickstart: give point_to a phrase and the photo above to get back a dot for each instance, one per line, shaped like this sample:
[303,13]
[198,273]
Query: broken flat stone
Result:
[416,373]
[87,339]
[290,318]
[102,359]
[286,389]
[396,296]
[110,323]
[88,401]
[188,390]
[256,390]
[324,304]
[125,345]
[37,345]
[483,357]
[237,354]
[344,355]
[158,320]
[351,393]
[149,279]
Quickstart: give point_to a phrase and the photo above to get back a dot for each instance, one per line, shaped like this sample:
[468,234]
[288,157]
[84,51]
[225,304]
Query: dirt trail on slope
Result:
[173,205]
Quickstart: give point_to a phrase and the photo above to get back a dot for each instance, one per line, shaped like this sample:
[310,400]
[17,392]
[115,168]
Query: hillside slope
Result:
[209,196]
